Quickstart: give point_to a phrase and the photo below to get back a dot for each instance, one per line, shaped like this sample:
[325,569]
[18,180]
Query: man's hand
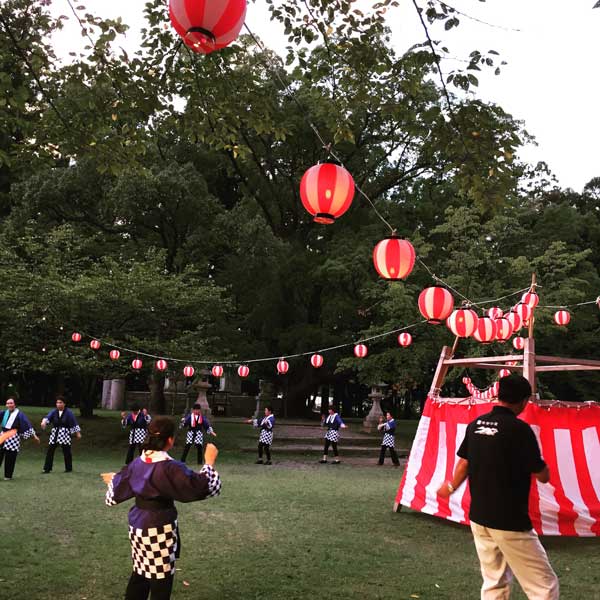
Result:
[213,434]
[107,477]
[37,439]
[249,420]
[210,454]
[344,426]
[44,423]
[444,490]
[78,435]
[123,414]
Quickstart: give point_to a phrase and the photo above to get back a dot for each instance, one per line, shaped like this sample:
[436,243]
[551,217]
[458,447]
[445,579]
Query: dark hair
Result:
[197,406]
[134,407]
[514,389]
[269,408]
[159,431]
[61,399]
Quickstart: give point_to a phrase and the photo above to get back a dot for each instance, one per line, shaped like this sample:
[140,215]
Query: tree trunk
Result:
[87,401]
[157,396]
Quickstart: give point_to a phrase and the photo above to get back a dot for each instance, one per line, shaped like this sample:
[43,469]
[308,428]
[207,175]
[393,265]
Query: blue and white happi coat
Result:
[139,426]
[333,423]
[15,420]
[63,426]
[389,435]
[197,425]
[156,478]
[266,425]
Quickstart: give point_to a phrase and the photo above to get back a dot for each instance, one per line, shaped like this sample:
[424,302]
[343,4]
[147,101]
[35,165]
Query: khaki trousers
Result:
[504,553]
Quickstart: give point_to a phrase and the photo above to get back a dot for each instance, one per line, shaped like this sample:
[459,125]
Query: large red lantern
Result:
[518,343]
[360,350]
[405,339]
[207,25]
[282,366]
[462,322]
[76,337]
[436,304]
[243,371]
[531,299]
[161,365]
[515,320]
[503,329]
[114,354]
[524,311]
[188,371]
[136,364]
[503,373]
[95,344]
[485,331]
[495,312]
[326,191]
[217,371]
[466,380]
[562,317]
[316,360]
[394,258]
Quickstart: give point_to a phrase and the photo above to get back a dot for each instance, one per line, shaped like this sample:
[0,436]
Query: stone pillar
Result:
[202,386]
[372,419]
[117,394]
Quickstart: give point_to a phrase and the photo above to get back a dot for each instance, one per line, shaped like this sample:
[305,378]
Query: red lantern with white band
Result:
[405,339]
[114,354]
[515,320]
[217,371]
[562,317]
[136,364]
[485,331]
[188,371]
[360,350]
[95,344]
[503,373]
[436,304]
[531,299]
[462,322]
[161,365]
[283,367]
[524,311]
[503,329]
[495,312]
[316,360]
[518,343]
[394,258]
[76,337]
[243,371]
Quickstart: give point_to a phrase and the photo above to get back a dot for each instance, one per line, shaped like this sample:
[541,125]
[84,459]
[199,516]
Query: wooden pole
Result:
[440,371]
[529,363]
[532,319]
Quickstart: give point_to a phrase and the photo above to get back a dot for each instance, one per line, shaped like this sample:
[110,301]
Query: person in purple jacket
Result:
[197,425]
[334,423]
[64,426]
[137,420]
[156,481]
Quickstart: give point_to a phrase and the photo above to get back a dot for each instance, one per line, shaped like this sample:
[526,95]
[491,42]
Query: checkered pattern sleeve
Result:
[119,488]
[386,427]
[28,433]
[75,429]
[109,499]
[214,481]
[255,423]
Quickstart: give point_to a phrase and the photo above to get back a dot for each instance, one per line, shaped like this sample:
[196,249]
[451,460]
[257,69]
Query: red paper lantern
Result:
[136,364]
[436,304]
[405,339]
[243,371]
[394,258]
[562,317]
[466,380]
[188,371]
[316,360]
[515,320]
[503,373]
[503,329]
[95,345]
[76,337]
[282,367]
[531,299]
[161,365]
[217,371]
[326,191]
[207,25]
[360,350]
[524,311]
[495,389]
[518,343]
[485,331]
[495,312]
[462,322]
[114,354]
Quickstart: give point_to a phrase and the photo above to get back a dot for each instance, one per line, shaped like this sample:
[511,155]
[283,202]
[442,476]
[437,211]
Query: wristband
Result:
[451,488]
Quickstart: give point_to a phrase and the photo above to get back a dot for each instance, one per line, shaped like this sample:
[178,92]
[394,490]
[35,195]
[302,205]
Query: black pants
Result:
[392,454]
[333,445]
[10,458]
[66,448]
[140,587]
[267,448]
[188,447]
[131,452]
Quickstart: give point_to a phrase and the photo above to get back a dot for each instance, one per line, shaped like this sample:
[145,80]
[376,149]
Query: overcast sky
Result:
[551,81]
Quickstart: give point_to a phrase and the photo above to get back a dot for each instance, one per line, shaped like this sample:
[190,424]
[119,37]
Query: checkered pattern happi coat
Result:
[389,440]
[13,444]
[194,437]
[154,550]
[266,437]
[62,435]
[332,435]
[137,436]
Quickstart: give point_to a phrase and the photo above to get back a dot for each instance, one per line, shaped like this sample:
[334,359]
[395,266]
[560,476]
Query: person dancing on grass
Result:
[334,423]
[389,438]
[138,421]
[265,439]
[156,481]
[64,426]
[197,425]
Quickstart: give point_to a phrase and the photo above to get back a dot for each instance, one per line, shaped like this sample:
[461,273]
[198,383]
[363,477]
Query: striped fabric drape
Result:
[570,441]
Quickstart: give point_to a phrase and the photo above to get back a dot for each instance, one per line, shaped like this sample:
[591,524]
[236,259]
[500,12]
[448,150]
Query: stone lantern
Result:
[372,419]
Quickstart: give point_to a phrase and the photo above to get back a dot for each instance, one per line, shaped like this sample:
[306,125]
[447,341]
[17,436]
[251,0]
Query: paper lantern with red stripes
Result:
[562,317]
[282,366]
[136,364]
[161,365]
[326,191]
[217,371]
[95,344]
[462,322]
[405,339]
[188,371]
[495,312]
[503,373]
[503,329]
[485,331]
[495,389]
[243,371]
[76,337]
[207,25]
[531,299]
[394,258]
[466,380]
[518,343]
[316,360]
[436,304]
[515,320]
[360,350]
[524,311]
[114,354]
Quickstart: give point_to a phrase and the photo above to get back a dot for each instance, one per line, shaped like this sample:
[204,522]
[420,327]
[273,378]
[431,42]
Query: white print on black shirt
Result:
[487,427]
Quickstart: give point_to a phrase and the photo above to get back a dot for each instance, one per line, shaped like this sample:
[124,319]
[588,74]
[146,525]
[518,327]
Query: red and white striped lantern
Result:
[436,304]
[515,320]
[518,343]
[114,354]
[188,371]
[495,389]
[524,311]
[316,360]
[503,329]
[466,380]
[485,331]
[326,191]
[562,317]
[462,322]
[282,366]
[531,299]
[405,339]
[217,371]
[95,344]
[503,373]
[394,258]
[136,364]
[207,25]
[360,350]
[76,337]
[161,365]
[243,371]
[495,312]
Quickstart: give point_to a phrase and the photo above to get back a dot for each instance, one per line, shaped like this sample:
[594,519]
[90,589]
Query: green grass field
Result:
[294,530]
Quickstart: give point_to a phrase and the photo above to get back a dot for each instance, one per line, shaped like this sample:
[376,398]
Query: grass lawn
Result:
[294,530]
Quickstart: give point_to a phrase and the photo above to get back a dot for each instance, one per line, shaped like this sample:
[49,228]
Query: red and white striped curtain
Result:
[569,438]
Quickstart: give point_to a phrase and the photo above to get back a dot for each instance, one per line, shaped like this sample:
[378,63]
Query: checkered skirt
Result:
[137,436]
[194,437]
[266,437]
[62,435]
[389,440]
[332,435]
[154,550]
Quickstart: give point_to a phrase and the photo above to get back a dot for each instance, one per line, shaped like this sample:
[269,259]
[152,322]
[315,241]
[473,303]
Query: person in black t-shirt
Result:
[499,455]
